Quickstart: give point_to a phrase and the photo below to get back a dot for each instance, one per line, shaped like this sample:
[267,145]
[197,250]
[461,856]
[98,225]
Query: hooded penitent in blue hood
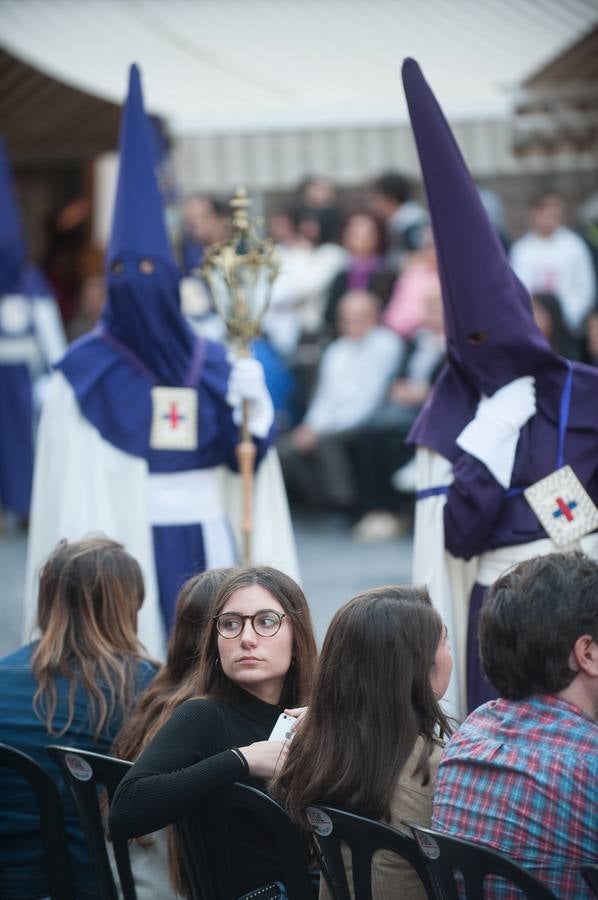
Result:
[491,334]
[12,243]
[143,307]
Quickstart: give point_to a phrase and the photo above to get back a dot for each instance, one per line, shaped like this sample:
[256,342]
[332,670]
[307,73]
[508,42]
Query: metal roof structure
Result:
[249,65]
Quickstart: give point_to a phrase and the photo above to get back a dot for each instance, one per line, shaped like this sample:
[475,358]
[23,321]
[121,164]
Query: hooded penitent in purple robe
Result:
[492,340]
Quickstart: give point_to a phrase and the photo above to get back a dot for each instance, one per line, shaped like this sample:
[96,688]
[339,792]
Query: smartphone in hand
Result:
[283,729]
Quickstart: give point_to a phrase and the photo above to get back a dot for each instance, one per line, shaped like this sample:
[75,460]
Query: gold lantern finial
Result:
[240,273]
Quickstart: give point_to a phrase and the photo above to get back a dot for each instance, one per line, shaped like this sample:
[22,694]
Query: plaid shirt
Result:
[522,778]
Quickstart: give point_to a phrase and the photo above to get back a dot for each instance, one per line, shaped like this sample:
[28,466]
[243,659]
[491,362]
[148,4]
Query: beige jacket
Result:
[392,877]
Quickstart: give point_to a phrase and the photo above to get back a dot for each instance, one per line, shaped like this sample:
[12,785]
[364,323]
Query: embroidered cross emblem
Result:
[174,416]
[564,509]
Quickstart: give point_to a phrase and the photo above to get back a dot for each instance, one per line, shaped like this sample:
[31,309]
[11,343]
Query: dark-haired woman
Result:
[370,741]
[366,269]
[256,658]
[73,686]
[153,858]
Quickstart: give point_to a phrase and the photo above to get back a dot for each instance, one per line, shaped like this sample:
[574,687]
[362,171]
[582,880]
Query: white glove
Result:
[247,382]
[493,433]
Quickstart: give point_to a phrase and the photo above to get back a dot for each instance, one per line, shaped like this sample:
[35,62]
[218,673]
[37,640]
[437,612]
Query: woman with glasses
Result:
[370,741]
[256,659]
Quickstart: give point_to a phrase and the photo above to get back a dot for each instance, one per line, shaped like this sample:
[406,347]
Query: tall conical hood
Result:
[143,306]
[138,225]
[491,334]
[12,242]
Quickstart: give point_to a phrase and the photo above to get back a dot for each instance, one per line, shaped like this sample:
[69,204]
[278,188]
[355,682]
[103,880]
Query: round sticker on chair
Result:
[427,845]
[319,820]
[78,767]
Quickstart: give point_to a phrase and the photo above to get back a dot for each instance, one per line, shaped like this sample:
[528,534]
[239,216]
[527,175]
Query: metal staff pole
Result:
[240,273]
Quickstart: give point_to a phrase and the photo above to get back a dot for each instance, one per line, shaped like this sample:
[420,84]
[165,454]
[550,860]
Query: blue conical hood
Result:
[12,242]
[143,306]
[138,225]
[491,334]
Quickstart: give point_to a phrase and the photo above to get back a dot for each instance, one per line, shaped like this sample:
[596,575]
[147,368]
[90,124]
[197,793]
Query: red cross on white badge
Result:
[174,416]
[564,509]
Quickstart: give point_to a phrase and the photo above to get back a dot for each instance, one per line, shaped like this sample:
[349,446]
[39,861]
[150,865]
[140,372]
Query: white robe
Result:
[83,484]
[449,580]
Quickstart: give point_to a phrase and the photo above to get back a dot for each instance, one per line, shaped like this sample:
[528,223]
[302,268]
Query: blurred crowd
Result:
[353,338]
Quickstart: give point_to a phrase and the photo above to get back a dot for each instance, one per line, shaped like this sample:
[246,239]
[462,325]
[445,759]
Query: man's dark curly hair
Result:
[531,618]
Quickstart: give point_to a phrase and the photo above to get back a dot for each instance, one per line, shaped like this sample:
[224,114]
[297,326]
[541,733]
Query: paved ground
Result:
[333,568]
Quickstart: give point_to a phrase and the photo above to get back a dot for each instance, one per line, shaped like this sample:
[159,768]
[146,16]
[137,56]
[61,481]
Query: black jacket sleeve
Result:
[182,763]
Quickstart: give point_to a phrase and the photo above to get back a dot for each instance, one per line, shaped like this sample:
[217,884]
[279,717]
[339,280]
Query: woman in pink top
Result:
[407,306]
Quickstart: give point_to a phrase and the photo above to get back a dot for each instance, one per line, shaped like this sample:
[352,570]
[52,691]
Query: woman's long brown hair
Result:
[90,592]
[370,700]
[153,708]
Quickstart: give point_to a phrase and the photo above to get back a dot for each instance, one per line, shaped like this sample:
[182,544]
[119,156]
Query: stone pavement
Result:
[333,569]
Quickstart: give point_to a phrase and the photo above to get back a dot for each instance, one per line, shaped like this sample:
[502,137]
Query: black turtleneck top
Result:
[189,757]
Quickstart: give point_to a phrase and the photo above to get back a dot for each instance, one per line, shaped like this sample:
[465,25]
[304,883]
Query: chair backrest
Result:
[590,874]
[85,772]
[57,861]
[446,855]
[205,845]
[364,837]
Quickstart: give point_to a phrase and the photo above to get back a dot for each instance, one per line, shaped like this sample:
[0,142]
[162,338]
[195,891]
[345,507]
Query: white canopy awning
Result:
[249,65]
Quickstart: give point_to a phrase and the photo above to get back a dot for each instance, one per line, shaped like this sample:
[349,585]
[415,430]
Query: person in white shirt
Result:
[353,378]
[552,258]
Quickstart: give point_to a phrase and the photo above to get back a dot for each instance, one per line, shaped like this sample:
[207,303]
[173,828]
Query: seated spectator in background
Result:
[75,686]
[293,284]
[521,774]
[364,240]
[551,258]
[352,381]
[549,319]
[325,261]
[257,656]
[380,448]
[91,304]
[318,196]
[204,222]
[280,382]
[370,740]
[390,199]
[153,859]
[407,307]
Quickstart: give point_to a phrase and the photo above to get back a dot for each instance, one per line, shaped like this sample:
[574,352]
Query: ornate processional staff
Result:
[240,273]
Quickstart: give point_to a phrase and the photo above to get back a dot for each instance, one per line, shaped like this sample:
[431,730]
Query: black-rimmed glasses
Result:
[265,622]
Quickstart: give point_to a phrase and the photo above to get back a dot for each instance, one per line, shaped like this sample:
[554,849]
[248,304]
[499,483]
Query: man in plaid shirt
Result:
[521,774]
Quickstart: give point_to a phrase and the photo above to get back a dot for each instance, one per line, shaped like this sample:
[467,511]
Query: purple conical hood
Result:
[12,242]
[491,334]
